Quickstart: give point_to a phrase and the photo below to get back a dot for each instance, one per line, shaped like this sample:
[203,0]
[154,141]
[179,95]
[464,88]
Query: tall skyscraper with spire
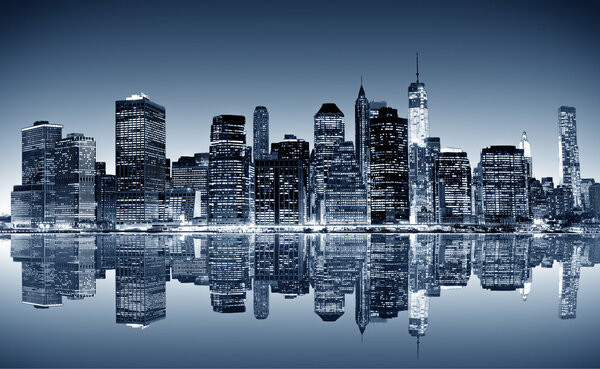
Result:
[261,132]
[568,152]
[418,131]
[361,119]
[526,147]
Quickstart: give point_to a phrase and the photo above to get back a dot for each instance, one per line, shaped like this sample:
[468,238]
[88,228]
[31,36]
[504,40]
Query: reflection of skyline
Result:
[387,273]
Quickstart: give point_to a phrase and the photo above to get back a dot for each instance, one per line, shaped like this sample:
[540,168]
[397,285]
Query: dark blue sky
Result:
[492,69]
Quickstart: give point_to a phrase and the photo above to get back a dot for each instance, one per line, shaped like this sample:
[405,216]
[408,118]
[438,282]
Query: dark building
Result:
[538,201]
[504,184]
[280,191]
[346,201]
[432,151]
[595,200]
[560,202]
[33,202]
[261,133]
[389,168]
[75,180]
[229,172]
[547,184]
[106,197]
[453,186]
[140,159]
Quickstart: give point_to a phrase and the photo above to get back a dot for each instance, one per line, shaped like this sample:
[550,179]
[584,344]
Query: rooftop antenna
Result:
[418,347]
[361,79]
[417,67]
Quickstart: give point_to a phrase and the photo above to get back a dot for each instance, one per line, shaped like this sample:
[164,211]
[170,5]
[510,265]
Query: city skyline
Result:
[469,89]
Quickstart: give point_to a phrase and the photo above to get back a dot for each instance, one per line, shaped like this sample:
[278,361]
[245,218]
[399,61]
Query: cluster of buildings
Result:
[388,274]
[393,173]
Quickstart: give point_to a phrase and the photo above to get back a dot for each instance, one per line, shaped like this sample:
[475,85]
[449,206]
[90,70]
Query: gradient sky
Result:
[492,69]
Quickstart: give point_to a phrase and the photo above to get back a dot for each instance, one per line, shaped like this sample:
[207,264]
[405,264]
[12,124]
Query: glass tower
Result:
[389,168]
[346,191]
[453,186]
[361,128]
[32,202]
[229,172]
[261,133]
[329,133]
[140,158]
[504,184]
[568,152]
[526,147]
[75,180]
[418,122]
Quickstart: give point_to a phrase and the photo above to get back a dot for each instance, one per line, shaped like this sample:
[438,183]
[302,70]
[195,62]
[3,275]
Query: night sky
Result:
[492,69]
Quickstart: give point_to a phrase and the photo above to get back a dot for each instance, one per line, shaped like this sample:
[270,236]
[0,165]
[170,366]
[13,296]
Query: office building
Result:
[504,184]
[585,192]
[595,200]
[280,191]
[560,202]
[418,131]
[389,187]
[568,152]
[140,158]
[329,133]
[192,172]
[361,129]
[346,191]
[229,172]
[75,179]
[261,132]
[33,202]
[106,197]
[453,186]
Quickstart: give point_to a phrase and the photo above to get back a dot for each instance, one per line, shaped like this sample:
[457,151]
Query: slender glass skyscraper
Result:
[361,128]
[329,133]
[418,131]
[568,152]
[140,158]
[261,133]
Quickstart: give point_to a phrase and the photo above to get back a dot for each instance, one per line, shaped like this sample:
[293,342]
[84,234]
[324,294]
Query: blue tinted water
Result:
[299,300]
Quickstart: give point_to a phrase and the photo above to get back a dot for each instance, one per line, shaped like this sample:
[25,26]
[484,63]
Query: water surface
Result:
[295,300]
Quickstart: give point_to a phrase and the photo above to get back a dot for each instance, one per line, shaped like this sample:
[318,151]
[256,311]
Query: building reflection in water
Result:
[387,273]
[140,280]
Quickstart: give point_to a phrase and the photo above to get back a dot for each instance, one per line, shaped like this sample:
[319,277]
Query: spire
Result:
[361,92]
[418,342]
[417,67]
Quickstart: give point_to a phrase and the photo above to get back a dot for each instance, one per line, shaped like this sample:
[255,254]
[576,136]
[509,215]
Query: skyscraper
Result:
[75,180]
[140,158]
[595,200]
[568,152]
[389,189]
[106,197]
[32,202]
[329,133]
[504,184]
[361,128]
[453,186]
[418,122]
[526,147]
[346,191]
[280,191]
[229,172]
[432,152]
[261,132]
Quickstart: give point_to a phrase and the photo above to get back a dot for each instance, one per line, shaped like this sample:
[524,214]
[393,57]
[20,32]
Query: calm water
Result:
[294,300]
